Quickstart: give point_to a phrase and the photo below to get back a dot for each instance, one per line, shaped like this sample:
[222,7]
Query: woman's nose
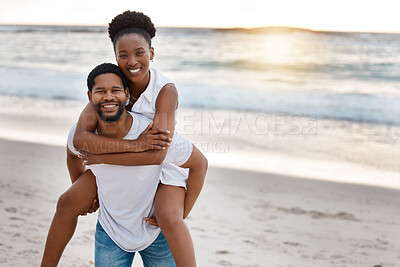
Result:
[132,61]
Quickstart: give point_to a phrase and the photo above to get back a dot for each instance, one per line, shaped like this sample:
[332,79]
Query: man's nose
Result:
[109,96]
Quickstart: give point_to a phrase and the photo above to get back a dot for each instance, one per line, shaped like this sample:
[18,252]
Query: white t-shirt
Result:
[126,193]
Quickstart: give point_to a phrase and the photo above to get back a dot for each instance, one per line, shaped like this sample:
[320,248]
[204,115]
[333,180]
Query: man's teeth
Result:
[109,106]
[134,71]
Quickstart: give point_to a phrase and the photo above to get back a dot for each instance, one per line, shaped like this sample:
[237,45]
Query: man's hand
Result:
[93,208]
[152,139]
[152,221]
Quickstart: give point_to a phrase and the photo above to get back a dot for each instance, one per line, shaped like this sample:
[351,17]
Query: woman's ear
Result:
[151,53]
[127,93]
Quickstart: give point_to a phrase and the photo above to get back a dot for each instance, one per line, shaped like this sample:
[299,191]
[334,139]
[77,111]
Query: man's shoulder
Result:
[139,117]
[139,124]
[70,141]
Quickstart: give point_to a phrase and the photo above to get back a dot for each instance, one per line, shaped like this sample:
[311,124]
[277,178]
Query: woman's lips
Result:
[134,71]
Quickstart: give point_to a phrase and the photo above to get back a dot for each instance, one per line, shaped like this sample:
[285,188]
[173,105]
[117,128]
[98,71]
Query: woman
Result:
[156,97]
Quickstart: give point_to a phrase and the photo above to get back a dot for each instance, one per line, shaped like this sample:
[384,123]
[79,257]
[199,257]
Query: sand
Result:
[280,191]
[242,218]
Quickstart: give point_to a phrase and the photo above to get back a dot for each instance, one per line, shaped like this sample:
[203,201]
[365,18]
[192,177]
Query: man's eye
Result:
[139,53]
[122,56]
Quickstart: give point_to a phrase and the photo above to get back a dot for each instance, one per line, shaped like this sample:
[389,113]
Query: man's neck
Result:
[117,129]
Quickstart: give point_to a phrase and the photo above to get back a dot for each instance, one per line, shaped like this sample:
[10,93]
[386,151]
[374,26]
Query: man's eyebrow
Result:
[115,86]
[98,88]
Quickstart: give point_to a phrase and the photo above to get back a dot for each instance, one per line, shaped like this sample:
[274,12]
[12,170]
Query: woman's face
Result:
[133,55]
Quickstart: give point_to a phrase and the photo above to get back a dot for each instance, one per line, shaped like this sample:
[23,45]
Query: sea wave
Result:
[51,29]
[348,76]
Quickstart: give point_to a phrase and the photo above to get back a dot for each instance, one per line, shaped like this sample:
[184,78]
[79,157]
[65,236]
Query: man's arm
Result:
[197,164]
[76,169]
[75,165]
[86,140]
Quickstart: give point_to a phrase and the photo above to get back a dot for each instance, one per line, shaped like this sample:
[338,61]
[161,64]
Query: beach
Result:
[325,196]
[301,130]
[242,218]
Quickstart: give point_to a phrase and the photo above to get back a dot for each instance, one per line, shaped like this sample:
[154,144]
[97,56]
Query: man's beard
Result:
[113,118]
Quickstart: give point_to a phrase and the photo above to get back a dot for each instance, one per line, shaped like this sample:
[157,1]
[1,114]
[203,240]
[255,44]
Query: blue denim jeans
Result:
[109,254]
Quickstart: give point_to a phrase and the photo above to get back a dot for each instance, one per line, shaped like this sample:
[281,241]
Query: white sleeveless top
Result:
[146,105]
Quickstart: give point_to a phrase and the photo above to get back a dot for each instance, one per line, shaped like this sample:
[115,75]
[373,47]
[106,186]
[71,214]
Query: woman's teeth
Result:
[135,70]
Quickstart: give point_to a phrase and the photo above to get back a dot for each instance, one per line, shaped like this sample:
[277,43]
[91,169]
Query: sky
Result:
[342,15]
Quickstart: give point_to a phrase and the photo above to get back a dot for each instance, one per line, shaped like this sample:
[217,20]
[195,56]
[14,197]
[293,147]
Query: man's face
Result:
[108,97]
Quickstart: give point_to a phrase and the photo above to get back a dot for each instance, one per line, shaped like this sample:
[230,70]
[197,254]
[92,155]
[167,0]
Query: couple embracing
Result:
[144,177]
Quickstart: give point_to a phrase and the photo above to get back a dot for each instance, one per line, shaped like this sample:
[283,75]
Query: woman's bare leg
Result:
[75,201]
[169,207]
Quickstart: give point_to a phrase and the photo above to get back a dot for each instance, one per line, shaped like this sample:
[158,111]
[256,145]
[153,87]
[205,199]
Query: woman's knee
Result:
[169,216]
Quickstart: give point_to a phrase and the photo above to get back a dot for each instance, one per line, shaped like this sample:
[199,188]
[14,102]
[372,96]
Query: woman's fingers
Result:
[162,138]
[159,130]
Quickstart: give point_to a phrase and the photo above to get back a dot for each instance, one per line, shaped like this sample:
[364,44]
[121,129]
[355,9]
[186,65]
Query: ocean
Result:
[332,75]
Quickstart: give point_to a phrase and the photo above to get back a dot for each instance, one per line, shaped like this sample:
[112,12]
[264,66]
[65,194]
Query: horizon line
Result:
[215,27]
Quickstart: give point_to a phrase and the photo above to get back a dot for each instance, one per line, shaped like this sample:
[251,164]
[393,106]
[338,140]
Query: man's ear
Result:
[89,94]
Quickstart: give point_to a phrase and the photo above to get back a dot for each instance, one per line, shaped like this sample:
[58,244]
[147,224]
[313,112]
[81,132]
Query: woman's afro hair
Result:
[130,19]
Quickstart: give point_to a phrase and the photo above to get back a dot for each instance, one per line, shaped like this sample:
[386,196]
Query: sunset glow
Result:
[355,15]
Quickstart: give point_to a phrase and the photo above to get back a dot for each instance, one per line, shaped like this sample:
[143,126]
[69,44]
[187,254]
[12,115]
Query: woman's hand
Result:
[152,139]
[89,159]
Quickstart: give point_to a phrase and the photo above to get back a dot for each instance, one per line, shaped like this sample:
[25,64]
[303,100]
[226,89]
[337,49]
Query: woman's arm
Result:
[197,164]
[86,140]
[164,118]
[150,157]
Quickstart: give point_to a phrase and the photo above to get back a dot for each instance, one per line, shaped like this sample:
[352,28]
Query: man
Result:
[126,193]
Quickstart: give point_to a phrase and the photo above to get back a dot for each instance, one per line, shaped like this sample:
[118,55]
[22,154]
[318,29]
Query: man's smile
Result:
[108,107]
